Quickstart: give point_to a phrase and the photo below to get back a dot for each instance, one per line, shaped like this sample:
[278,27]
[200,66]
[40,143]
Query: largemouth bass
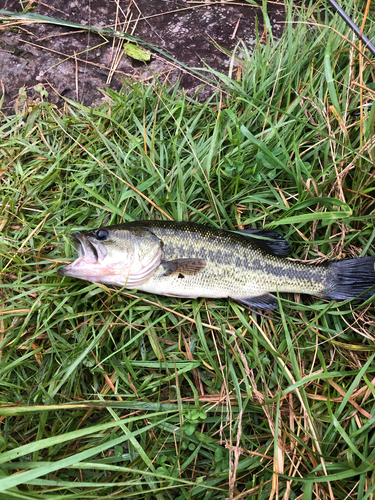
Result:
[184,259]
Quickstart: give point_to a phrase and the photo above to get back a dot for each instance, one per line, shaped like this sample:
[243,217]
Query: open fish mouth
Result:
[90,254]
[87,249]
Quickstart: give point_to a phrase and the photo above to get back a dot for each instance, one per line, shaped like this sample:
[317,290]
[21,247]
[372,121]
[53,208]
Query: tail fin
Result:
[350,278]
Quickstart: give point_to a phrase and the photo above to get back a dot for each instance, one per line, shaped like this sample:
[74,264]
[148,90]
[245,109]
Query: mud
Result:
[76,64]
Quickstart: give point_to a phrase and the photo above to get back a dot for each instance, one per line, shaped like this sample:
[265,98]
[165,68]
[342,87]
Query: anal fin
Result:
[265,301]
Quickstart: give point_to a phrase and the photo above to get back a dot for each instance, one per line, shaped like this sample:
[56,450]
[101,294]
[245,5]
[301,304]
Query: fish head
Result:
[116,256]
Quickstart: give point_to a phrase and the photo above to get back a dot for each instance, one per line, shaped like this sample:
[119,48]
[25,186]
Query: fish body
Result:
[184,259]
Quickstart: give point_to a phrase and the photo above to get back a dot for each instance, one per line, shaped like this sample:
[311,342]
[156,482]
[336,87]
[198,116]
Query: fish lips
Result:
[90,253]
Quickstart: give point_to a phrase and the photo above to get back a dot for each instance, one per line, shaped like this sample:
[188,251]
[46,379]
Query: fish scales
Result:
[235,267]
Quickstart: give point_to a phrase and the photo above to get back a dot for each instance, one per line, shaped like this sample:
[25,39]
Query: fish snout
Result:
[77,236]
[61,271]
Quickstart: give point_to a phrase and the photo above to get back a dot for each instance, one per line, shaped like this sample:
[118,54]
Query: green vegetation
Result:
[114,393]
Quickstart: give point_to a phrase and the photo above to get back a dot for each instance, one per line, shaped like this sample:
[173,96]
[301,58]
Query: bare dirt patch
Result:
[77,64]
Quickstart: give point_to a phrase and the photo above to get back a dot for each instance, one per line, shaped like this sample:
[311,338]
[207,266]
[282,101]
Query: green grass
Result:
[114,393]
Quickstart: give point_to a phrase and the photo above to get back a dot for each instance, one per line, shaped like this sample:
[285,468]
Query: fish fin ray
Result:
[275,244]
[264,301]
[181,295]
[183,266]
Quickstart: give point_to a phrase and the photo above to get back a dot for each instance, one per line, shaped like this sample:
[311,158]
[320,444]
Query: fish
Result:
[190,260]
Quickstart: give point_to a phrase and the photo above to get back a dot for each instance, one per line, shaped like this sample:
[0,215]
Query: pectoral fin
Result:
[265,301]
[183,266]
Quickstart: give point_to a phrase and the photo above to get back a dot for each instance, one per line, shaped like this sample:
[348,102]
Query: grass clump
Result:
[107,392]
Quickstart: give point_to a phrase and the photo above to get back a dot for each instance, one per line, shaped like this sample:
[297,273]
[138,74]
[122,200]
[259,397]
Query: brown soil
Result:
[76,64]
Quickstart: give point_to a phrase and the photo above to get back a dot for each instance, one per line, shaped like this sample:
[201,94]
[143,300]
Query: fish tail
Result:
[350,278]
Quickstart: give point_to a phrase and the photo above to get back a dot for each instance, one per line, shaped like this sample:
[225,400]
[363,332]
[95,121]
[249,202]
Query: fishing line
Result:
[87,53]
[368,44]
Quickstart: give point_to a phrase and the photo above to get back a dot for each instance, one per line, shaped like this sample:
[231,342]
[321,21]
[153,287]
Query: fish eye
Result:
[102,235]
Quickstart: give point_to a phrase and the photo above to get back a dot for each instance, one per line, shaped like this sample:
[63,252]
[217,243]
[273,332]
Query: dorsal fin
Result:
[270,241]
